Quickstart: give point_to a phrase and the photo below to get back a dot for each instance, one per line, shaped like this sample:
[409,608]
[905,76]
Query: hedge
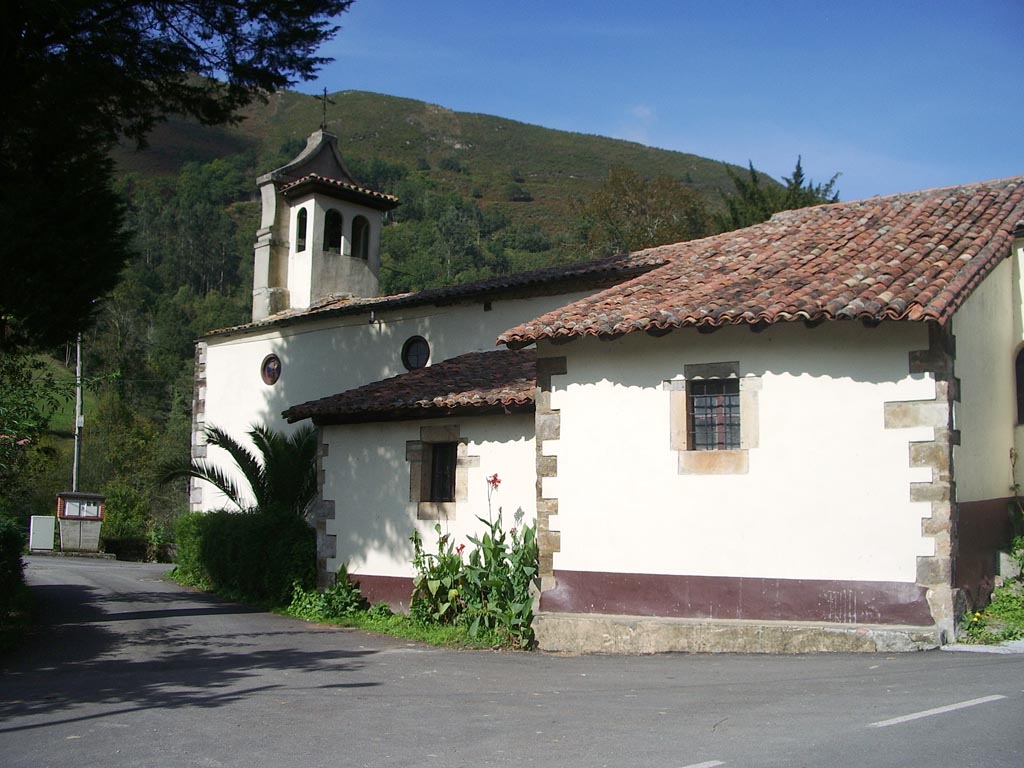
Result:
[253,556]
[12,541]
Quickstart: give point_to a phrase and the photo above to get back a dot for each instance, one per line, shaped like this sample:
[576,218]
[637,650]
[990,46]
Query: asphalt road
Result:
[127,669]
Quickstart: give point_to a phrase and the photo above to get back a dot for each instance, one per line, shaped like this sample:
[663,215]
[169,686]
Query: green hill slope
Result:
[477,156]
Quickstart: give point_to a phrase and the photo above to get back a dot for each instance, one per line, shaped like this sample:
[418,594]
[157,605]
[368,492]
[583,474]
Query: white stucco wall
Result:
[827,491]
[1017,301]
[986,343]
[312,273]
[367,477]
[326,357]
[300,263]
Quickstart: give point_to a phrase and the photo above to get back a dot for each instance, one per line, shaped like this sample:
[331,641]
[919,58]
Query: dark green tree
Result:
[629,212]
[802,192]
[81,75]
[29,395]
[281,474]
[757,196]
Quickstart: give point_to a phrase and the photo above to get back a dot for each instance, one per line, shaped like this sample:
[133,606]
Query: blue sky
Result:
[895,96]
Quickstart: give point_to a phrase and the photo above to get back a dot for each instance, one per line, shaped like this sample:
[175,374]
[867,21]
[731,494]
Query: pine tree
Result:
[757,197]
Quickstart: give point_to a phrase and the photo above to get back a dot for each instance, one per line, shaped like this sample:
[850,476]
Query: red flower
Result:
[494,481]
[458,549]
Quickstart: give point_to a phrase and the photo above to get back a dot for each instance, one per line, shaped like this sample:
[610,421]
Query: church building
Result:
[798,436]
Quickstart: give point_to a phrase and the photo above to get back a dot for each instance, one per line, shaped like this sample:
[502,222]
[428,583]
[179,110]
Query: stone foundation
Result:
[597,633]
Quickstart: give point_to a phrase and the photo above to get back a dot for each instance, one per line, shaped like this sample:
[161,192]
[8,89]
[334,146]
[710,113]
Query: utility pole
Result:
[79,420]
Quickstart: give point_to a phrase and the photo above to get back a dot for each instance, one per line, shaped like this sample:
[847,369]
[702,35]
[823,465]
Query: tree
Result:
[757,197]
[84,74]
[29,395]
[281,474]
[801,193]
[629,212]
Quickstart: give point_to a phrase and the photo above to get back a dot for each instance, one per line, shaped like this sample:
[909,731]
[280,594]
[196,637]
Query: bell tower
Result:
[319,233]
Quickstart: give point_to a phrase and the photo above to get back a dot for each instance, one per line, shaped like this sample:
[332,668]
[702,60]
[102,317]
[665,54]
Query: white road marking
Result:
[708,764]
[936,711]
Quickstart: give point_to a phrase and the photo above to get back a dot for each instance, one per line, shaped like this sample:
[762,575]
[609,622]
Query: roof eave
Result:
[757,325]
[413,413]
[377,201]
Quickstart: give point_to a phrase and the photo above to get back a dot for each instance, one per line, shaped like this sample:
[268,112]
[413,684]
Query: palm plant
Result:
[281,474]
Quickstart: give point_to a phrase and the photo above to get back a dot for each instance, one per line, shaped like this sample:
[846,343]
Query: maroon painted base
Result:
[984,528]
[393,590]
[715,597]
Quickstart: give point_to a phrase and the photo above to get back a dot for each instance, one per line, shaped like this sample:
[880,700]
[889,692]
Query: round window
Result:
[270,369]
[415,353]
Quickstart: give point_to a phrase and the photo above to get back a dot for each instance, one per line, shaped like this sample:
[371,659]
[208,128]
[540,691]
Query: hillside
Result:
[481,157]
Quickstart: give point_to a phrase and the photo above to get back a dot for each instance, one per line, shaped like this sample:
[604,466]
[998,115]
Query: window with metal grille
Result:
[713,414]
[443,458]
[415,353]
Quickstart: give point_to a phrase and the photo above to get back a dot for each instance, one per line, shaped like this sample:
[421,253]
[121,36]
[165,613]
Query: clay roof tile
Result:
[914,256]
[500,380]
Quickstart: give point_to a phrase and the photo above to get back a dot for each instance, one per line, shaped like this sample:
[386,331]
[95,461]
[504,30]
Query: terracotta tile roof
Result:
[476,382]
[914,256]
[597,273]
[314,179]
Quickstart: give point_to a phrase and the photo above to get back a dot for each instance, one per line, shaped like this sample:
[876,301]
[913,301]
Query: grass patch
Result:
[1003,618]
[343,605]
[185,579]
[399,625]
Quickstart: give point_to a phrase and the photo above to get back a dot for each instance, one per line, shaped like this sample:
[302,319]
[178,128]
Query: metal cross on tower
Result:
[324,101]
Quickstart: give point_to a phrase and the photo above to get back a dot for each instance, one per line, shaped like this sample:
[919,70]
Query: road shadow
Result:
[84,652]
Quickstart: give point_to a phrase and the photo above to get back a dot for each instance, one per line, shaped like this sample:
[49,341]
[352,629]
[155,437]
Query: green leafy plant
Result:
[499,574]
[1003,618]
[281,473]
[439,580]
[489,592]
[336,602]
[379,611]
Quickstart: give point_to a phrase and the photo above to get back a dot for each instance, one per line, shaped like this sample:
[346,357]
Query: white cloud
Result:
[636,125]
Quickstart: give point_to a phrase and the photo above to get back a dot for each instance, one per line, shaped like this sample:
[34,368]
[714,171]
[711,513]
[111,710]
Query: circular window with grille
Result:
[415,353]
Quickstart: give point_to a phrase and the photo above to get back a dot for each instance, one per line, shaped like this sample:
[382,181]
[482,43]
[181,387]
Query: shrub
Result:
[12,541]
[126,524]
[438,585]
[499,574]
[254,556]
[134,548]
[160,545]
[127,513]
[1003,619]
[188,532]
[490,592]
[336,602]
